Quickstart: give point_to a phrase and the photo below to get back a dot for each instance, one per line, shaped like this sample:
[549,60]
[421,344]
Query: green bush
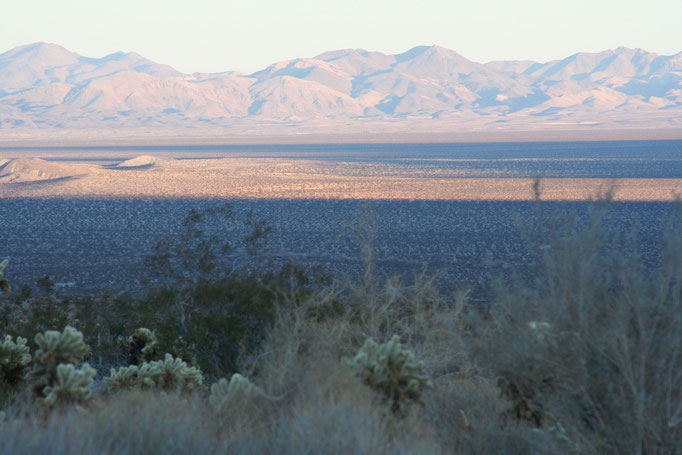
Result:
[46,284]
[202,307]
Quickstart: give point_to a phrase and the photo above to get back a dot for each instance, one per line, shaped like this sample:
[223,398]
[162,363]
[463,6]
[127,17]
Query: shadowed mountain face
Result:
[44,85]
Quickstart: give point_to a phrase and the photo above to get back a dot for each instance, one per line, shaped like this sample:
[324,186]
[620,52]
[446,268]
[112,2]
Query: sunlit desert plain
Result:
[148,176]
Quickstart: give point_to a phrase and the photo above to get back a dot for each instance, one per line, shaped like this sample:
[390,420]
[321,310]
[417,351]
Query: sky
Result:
[248,35]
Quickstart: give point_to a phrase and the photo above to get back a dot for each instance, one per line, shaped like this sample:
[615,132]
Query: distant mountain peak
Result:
[412,53]
[44,85]
[120,55]
[40,46]
[39,50]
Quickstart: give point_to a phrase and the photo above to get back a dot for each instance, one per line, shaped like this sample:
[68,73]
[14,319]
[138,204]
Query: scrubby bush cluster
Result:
[585,357]
[141,346]
[592,350]
[4,282]
[14,358]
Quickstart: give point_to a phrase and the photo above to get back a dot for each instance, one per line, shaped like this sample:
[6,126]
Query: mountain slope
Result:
[46,86]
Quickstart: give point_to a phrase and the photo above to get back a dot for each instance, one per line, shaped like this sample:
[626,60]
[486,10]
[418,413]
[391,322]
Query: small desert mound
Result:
[25,170]
[139,162]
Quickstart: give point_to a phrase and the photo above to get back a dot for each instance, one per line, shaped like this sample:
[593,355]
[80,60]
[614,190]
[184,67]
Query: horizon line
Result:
[425,46]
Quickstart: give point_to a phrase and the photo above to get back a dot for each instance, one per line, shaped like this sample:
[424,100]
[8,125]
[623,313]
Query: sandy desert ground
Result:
[271,178]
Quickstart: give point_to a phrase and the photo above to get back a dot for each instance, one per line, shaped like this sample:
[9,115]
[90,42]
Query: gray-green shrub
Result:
[593,348]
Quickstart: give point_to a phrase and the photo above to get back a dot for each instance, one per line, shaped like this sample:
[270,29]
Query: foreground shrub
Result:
[392,371]
[145,422]
[127,423]
[592,350]
[467,413]
[205,306]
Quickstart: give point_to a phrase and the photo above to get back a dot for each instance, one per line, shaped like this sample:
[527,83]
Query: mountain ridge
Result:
[45,86]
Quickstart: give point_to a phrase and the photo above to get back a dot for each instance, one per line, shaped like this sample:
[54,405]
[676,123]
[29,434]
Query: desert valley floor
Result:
[162,176]
[88,217]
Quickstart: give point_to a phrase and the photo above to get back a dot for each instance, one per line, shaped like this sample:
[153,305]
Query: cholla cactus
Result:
[71,386]
[4,282]
[141,346]
[238,388]
[170,374]
[122,378]
[55,349]
[540,330]
[392,371]
[14,358]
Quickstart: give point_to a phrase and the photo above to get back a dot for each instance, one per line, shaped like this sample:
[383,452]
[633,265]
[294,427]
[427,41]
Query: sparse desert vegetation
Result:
[582,356]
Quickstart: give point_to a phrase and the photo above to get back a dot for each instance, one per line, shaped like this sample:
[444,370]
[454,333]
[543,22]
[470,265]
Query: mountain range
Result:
[45,87]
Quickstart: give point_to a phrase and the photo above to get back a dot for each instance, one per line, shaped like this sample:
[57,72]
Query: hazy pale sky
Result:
[247,35]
